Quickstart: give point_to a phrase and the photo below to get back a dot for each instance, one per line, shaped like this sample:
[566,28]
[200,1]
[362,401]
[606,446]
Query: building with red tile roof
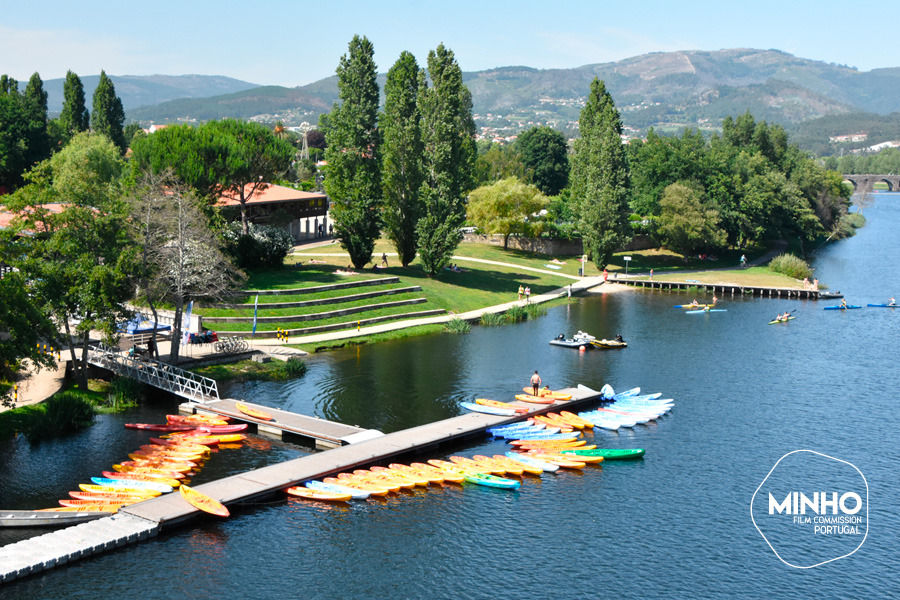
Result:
[307,210]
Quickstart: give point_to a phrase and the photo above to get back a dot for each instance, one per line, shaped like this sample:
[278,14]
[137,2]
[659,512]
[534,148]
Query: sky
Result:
[292,42]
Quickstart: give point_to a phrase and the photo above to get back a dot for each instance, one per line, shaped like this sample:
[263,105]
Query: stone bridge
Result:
[864,183]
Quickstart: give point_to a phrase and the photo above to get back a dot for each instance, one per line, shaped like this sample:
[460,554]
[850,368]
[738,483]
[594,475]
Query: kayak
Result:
[492,481]
[697,312]
[512,466]
[609,344]
[196,420]
[252,412]
[203,502]
[694,305]
[607,453]
[131,491]
[534,399]
[548,393]
[309,494]
[371,488]
[142,477]
[355,494]
[782,320]
[488,410]
[222,429]
[120,484]
[884,305]
[158,427]
[97,504]
[532,462]
[110,497]
[849,306]
[498,404]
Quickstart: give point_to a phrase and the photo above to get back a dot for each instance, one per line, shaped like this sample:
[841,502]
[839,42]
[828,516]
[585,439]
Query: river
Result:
[675,524]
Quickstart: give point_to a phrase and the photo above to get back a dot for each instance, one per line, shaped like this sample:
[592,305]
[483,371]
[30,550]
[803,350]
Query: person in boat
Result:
[536,383]
[561,337]
[706,308]
[619,338]
[843,303]
[892,302]
[695,303]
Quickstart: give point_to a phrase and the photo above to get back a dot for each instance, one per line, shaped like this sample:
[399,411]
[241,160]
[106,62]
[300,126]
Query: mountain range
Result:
[665,90]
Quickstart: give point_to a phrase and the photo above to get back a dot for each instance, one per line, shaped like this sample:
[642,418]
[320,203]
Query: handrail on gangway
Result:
[153,372]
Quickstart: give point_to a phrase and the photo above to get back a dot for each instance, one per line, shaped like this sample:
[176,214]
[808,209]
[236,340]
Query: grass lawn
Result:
[753,276]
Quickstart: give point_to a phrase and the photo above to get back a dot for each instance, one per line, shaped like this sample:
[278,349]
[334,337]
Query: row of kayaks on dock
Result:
[542,444]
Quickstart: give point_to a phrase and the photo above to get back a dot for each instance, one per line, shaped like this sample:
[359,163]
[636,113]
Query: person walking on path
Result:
[536,383]
[521,292]
[651,274]
[605,275]
[384,259]
[527,294]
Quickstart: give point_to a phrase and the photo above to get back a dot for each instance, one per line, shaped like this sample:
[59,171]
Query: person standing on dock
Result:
[536,383]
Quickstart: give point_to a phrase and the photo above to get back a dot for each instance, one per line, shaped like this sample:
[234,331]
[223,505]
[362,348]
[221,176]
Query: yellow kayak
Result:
[203,502]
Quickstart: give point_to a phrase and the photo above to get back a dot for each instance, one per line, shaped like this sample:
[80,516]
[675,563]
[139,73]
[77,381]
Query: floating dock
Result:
[724,288]
[146,519]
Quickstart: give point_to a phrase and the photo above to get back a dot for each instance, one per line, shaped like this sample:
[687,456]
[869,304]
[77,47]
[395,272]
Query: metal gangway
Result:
[158,374]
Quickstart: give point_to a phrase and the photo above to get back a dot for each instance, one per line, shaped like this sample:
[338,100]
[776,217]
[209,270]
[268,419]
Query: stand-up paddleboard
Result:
[884,305]
[697,312]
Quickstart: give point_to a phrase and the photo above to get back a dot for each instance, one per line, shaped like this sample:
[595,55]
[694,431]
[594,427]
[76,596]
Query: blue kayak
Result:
[492,481]
[885,305]
[849,306]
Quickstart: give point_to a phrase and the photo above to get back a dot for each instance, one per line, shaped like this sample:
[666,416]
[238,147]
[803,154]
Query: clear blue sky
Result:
[292,42]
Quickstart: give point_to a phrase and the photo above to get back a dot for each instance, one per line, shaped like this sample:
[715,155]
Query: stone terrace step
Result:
[338,326]
[334,300]
[320,288]
[313,316]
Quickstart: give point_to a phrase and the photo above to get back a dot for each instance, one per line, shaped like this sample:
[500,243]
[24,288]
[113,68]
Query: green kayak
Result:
[608,453]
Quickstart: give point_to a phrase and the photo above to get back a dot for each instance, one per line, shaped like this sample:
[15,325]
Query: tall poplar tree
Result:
[600,180]
[108,116]
[448,134]
[36,102]
[74,117]
[353,175]
[402,156]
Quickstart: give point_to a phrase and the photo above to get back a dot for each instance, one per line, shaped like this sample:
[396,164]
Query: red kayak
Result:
[156,427]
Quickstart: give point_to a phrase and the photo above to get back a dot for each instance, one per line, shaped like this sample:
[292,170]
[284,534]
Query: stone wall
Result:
[552,247]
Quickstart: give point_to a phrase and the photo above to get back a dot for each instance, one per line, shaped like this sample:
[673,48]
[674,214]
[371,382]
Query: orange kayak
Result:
[477,467]
[107,497]
[203,502]
[196,419]
[512,465]
[556,460]
[369,480]
[491,463]
[311,494]
[95,503]
[534,399]
[105,508]
[432,476]
[373,490]
[571,417]
[445,475]
[548,393]
[418,480]
[498,404]
[134,476]
[576,422]
[252,412]
[562,425]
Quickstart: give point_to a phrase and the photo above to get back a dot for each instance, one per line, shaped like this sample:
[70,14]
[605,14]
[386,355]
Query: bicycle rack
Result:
[158,374]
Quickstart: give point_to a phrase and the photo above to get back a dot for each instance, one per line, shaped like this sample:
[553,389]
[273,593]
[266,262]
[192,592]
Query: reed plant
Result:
[491,319]
[515,314]
[535,310]
[61,413]
[292,368]
[123,392]
[457,325]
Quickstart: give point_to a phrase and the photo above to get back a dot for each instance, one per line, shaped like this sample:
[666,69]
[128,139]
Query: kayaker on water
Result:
[536,382]
[892,302]
[843,303]
[695,303]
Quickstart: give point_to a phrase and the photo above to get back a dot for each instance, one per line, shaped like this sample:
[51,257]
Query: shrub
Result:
[62,412]
[534,311]
[292,368]
[790,265]
[264,246]
[457,325]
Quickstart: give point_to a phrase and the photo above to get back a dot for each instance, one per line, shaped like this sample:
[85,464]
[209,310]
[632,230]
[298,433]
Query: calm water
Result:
[676,524]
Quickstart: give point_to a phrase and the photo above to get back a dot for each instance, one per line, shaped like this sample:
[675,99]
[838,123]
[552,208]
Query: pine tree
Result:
[353,176]
[108,116]
[74,117]
[402,156]
[448,134]
[600,178]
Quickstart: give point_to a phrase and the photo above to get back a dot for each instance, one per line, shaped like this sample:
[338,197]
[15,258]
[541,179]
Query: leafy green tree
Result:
[82,263]
[545,152]
[74,117]
[498,162]
[353,175]
[505,207]
[35,98]
[685,224]
[600,178]
[252,158]
[131,130]
[23,129]
[108,116]
[448,133]
[402,156]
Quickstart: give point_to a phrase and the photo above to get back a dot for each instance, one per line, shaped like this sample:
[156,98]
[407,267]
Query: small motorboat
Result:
[580,339]
[830,295]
